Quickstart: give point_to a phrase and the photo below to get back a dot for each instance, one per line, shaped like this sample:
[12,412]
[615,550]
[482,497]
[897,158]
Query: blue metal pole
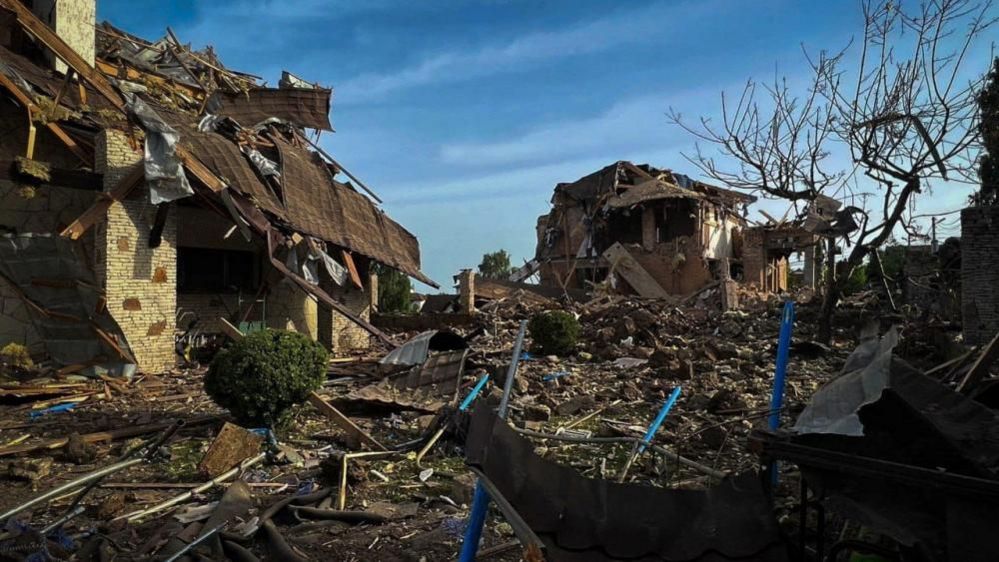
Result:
[660,417]
[480,502]
[475,392]
[783,349]
[777,398]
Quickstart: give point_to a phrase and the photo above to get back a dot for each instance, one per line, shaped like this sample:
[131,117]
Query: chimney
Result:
[73,21]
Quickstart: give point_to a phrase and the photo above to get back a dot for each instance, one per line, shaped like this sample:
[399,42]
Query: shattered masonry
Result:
[661,232]
[258,232]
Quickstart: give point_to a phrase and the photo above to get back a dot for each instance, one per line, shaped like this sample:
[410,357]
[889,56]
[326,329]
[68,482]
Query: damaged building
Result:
[150,196]
[662,232]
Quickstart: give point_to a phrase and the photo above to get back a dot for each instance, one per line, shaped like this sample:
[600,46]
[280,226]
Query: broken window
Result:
[202,270]
[678,217]
[625,227]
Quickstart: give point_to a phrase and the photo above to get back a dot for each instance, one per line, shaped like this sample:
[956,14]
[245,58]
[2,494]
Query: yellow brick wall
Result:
[348,336]
[73,21]
[140,282]
[291,308]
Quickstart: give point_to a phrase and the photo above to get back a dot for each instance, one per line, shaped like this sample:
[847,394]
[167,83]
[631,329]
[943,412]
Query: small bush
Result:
[259,378]
[16,355]
[554,332]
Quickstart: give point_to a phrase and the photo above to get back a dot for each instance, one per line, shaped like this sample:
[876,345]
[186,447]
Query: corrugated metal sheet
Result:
[581,519]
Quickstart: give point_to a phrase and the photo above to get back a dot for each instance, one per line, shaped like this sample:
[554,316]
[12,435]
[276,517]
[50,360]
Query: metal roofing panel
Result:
[581,519]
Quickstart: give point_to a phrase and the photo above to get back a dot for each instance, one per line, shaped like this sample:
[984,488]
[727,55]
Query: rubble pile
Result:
[631,355]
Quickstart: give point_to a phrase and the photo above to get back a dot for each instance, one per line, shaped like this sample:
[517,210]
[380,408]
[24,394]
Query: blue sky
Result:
[463,116]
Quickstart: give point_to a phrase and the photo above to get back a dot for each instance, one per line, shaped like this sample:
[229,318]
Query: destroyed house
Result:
[661,232]
[151,197]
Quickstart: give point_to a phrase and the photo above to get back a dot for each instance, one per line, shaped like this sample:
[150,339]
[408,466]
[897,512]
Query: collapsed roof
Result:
[253,147]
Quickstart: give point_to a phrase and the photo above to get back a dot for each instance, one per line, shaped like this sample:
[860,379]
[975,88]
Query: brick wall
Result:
[980,273]
[73,21]
[348,336]
[754,260]
[140,282]
[291,308]
[43,210]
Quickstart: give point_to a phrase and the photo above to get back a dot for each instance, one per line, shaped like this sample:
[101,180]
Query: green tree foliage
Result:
[496,265]
[857,281]
[260,377]
[988,127]
[554,332]
[395,291]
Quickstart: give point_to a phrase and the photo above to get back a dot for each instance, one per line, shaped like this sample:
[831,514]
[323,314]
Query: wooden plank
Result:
[636,275]
[36,27]
[228,329]
[134,75]
[99,209]
[981,366]
[123,433]
[30,22]
[58,131]
[108,339]
[355,277]
[337,417]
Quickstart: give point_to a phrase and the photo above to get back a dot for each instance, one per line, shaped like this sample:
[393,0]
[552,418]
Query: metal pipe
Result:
[603,440]
[777,397]
[62,520]
[71,486]
[190,493]
[639,447]
[480,502]
[660,418]
[783,350]
[180,553]
[512,371]
[461,408]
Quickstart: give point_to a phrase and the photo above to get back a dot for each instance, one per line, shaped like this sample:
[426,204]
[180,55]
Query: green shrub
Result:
[16,355]
[554,332]
[259,378]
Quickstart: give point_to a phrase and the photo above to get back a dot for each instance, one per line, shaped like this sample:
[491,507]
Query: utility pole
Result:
[933,240]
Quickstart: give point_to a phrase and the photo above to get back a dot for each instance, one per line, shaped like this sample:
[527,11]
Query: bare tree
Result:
[902,107]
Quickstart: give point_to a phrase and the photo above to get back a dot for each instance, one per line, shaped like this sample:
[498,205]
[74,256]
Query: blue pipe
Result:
[783,349]
[777,398]
[471,395]
[476,520]
[480,503]
[660,418]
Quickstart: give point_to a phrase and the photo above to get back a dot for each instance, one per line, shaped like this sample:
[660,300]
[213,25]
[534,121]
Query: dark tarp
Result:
[47,271]
[307,108]
[580,519]
[907,418]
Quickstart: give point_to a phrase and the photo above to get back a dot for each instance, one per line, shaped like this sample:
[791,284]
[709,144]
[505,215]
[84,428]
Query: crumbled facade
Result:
[256,230]
[649,231]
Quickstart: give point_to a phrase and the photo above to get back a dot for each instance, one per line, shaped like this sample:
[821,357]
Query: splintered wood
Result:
[636,275]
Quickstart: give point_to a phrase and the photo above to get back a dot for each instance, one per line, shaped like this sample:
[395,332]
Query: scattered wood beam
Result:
[99,209]
[337,417]
[981,366]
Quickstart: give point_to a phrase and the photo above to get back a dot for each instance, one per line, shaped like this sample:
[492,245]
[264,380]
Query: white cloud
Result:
[647,24]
